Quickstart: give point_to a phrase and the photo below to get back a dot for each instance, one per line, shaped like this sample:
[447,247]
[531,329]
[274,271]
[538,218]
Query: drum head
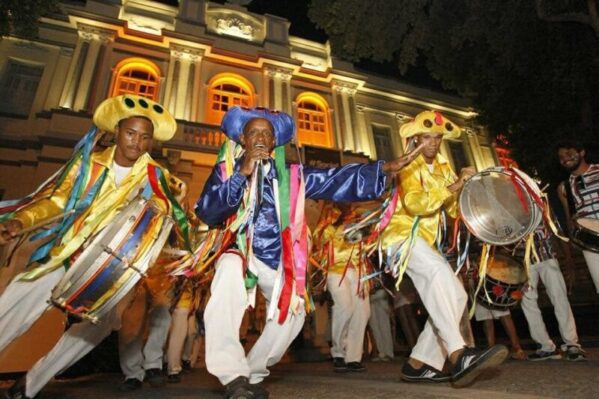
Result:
[497,209]
[506,269]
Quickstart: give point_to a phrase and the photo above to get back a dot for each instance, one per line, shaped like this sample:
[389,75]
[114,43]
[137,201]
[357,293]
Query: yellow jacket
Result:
[423,193]
[342,251]
[101,211]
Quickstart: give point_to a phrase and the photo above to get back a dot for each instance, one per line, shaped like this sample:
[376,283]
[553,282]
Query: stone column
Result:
[344,93]
[180,92]
[398,142]
[277,80]
[97,40]
[474,147]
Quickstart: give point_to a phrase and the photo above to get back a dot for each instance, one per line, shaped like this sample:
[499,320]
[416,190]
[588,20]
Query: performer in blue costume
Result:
[261,202]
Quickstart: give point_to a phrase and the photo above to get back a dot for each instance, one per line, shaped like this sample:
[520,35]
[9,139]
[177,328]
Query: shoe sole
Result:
[406,378]
[541,359]
[493,358]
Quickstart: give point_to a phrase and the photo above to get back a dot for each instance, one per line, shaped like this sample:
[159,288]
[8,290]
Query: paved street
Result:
[513,380]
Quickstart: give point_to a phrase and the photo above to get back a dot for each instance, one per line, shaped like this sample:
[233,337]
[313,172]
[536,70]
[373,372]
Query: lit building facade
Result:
[198,59]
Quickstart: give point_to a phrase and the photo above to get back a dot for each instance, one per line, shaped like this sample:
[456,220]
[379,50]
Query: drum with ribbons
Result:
[503,282]
[585,233]
[113,261]
[500,206]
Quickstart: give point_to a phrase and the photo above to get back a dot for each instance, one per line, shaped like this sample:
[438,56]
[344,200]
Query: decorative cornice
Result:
[90,33]
[193,55]
[278,73]
[344,87]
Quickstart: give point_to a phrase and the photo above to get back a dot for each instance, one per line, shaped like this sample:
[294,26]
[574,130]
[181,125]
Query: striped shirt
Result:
[585,191]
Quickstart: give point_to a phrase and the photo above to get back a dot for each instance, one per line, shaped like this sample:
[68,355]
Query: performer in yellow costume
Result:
[345,266]
[429,191]
[89,192]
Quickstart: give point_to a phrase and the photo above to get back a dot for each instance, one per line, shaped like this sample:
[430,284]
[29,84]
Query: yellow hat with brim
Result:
[113,110]
[430,122]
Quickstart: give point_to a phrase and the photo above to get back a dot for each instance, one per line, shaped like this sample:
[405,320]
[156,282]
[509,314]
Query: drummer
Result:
[580,194]
[96,185]
[429,188]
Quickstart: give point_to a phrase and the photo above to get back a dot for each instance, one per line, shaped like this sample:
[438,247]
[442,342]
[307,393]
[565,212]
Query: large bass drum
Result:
[114,261]
[585,233]
[504,281]
[500,206]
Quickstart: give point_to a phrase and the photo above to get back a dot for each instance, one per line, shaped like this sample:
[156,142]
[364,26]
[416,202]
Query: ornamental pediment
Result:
[236,23]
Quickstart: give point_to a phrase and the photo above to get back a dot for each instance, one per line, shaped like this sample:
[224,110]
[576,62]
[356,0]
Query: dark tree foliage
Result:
[20,17]
[530,67]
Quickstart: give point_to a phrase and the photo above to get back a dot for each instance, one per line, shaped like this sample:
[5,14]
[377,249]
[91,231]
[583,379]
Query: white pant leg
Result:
[555,286]
[342,311]
[176,339]
[192,334]
[160,321]
[530,308]
[225,356]
[358,309]
[380,323]
[131,335]
[444,298]
[23,302]
[275,338]
[75,343]
[592,259]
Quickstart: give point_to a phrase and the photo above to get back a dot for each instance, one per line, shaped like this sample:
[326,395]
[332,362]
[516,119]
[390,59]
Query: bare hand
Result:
[465,174]
[399,163]
[9,230]
[252,157]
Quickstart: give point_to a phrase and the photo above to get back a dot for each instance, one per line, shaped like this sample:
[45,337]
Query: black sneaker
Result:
[17,390]
[173,378]
[186,366]
[130,384]
[575,354]
[425,373]
[474,361]
[339,365]
[155,377]
[239,388]
[259,391]
[540,355]
[355,367]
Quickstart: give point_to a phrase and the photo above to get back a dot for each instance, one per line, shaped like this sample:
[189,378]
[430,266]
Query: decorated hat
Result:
[430,122]
[114,109]
[236,118]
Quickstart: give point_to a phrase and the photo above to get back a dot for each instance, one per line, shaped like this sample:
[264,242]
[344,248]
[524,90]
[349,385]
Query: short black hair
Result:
[567,144]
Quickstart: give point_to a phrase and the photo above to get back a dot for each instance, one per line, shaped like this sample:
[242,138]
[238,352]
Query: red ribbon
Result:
[285,298]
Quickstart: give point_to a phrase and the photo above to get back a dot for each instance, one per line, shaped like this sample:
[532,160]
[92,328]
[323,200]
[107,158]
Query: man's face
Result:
[258,133]
[134,137]
[570,158]
[432,143]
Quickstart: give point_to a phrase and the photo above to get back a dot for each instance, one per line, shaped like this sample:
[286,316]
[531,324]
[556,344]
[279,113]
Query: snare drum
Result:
[585,233]
[114,261]
[498,207]
[503,283]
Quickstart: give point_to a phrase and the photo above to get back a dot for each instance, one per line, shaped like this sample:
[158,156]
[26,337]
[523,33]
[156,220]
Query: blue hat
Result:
[236,118]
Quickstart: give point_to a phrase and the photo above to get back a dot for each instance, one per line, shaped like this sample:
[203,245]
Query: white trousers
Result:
[23,302]
[592,259]
[350,316]
[182,334]
[551,276]
[380,322]
[136,352]
[444,298]
[75,343]
[225,356]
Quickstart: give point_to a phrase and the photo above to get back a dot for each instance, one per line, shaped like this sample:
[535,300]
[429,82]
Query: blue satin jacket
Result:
[221,198]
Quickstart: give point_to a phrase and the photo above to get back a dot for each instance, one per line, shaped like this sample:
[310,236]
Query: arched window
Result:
[226,90]
[136,76]
[313,122]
